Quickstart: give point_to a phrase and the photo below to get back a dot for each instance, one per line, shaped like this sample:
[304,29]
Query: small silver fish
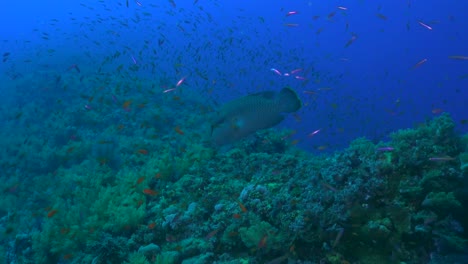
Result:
[246,115]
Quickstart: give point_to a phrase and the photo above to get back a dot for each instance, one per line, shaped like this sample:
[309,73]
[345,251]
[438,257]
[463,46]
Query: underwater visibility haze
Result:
[207,131]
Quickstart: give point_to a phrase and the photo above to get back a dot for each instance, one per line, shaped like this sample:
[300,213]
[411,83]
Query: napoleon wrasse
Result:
[246,115]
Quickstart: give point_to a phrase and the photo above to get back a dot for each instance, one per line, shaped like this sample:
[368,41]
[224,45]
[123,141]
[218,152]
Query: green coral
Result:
[442,202]
[137,258]
[262,234]
[453,241]
[192,156]
[431,180]
[200,259]
[102,204]
[362,147]
[464,140]
[193,246]
[414,147]
[378,230]
[167,257]
[464,162]
[116,208]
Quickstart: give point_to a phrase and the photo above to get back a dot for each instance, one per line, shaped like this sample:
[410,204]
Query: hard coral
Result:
[262,236]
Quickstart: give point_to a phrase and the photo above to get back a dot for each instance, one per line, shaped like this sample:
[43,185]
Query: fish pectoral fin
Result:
[216,124]
[212,129]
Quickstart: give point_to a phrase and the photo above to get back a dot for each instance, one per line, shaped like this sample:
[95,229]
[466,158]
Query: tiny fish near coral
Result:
[385,149]
[150,192]
[143,151]
[51,213]
[242,207]
[445,158]
[141,179]
[263,242]
[212,234]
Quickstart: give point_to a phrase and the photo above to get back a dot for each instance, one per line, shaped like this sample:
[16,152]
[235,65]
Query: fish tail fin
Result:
[289,100]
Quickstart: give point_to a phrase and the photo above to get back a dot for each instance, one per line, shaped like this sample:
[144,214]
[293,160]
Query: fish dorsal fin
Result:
[265,94]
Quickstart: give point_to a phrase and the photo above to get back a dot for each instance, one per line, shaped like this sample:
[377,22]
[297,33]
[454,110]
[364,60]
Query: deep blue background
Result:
[367,89]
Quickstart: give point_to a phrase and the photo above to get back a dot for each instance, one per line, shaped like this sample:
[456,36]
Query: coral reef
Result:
[136,185]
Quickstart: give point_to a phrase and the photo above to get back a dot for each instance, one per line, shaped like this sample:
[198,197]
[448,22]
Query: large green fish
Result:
[246,115]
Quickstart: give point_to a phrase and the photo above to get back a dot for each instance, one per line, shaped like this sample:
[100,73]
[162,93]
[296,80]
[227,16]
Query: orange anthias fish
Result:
[236,216]
[262,243]
[141,179]
[150,192]
[178,130]
[51,213]
[242,207]
[143,151]
[126,104]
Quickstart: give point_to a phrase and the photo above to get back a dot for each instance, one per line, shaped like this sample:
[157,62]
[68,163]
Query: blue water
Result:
[371,85]
[127,87]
